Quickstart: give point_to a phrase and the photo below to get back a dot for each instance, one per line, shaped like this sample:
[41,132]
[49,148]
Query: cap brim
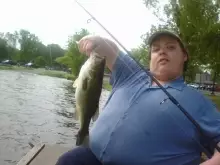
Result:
[158,34]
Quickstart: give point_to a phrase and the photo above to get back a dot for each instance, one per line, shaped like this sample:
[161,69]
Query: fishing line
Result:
[187,134]
[172,99]
[89,20]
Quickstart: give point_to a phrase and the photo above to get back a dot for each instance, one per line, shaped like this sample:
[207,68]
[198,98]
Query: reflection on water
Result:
[35,109]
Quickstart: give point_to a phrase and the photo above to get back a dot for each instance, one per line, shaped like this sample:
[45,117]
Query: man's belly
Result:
[144,132]
[127,141]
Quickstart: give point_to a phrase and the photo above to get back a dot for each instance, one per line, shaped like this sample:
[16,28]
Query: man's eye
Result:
[171,47]
[155,49]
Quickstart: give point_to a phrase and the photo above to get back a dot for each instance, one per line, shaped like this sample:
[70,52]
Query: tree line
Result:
[23,47]
[196,22]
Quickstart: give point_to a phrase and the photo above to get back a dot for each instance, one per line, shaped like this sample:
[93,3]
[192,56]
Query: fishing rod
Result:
[208,153]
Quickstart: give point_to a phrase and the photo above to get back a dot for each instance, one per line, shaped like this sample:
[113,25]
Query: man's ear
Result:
[185,57]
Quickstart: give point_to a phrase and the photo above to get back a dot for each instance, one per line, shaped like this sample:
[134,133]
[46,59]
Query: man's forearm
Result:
[215,160]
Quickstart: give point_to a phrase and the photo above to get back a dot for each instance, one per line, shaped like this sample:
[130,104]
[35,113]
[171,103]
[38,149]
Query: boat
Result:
[43,154]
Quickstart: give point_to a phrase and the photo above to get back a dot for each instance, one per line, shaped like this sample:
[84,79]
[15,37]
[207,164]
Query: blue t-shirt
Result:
[139,125]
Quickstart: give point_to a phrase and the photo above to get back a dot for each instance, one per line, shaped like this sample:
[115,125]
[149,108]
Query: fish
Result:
[88,88]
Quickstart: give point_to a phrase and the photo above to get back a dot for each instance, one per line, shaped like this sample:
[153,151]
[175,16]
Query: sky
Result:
[54,20]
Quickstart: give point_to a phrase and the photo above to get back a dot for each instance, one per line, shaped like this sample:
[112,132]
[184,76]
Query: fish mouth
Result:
[95,55]
[101,57]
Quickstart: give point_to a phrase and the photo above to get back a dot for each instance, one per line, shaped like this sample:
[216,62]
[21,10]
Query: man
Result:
[139,124]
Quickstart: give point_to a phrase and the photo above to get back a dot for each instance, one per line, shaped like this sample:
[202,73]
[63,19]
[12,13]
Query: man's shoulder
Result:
[198,97]
[125,69]
[190,91]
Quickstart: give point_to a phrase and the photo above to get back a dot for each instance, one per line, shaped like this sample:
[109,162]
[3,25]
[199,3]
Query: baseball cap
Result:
[158,34]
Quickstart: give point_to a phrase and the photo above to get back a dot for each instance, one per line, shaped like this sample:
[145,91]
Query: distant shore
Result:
[62,74]
[40,71]
[52,73]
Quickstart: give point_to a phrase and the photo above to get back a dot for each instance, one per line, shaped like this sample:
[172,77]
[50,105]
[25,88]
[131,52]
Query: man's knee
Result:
[78,156]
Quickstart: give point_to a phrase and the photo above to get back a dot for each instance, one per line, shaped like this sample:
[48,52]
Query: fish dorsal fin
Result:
[75,83]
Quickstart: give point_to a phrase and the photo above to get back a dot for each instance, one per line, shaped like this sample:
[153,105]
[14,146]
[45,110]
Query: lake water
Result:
[35,109]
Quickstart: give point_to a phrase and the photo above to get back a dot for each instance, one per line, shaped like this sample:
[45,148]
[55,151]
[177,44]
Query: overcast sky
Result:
[54,20]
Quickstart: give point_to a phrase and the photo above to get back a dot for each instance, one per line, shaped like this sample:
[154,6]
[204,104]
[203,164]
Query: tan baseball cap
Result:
[158,34]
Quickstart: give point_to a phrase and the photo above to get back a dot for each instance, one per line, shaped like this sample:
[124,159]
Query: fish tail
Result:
[82,138]
[83,131]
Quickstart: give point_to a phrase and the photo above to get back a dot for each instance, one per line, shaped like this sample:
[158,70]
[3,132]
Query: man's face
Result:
[167,58]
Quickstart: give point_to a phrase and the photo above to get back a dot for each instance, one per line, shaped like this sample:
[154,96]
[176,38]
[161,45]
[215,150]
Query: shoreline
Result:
[51,73]
[40,71]
[68,76]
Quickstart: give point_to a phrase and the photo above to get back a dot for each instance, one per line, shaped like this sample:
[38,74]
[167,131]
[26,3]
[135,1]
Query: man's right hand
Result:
[102,46]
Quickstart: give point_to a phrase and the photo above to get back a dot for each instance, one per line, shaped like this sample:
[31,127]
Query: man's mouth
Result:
[163,60]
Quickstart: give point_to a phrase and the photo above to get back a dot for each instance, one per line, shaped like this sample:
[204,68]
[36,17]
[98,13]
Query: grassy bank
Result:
[40,71]
[107,86]
[58,74]
[215,99]
[52,73]
[61,74]
[18,68]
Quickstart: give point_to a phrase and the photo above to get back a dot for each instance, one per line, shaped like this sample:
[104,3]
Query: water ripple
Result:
[35,109]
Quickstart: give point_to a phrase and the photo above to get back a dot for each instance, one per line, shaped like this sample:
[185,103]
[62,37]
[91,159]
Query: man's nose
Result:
[162,51]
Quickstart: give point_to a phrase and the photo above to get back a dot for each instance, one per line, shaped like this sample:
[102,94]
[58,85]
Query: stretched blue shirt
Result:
[139,125]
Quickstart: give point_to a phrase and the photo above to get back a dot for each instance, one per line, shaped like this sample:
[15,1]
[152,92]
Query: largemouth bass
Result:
[87,94]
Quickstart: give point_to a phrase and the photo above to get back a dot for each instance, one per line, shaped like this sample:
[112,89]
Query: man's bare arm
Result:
[215,160]
[102,46]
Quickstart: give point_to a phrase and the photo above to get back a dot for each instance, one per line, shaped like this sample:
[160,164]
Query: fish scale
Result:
[87,94]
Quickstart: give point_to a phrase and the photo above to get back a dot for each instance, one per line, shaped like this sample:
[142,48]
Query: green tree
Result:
[54,51]
[3,49]
[24,46]
[28,49]
[140,54]
[39,61]
[73,58]
[197,24]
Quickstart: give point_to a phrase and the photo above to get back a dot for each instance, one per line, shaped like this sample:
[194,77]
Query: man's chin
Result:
[162,74]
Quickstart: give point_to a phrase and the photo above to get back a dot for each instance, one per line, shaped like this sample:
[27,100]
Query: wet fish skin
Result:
[87,94]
